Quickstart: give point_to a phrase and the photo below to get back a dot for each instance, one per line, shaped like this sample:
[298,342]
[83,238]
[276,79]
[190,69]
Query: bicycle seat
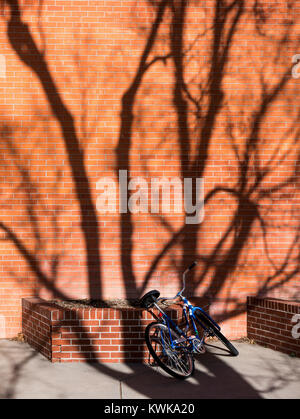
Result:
[149,298]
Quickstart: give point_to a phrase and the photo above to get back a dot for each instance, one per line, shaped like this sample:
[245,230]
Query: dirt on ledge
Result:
[113,303]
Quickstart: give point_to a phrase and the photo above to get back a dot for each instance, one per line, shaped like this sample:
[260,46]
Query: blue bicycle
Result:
[173,348]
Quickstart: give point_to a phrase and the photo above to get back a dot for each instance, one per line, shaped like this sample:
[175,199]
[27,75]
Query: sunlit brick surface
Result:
[158,88]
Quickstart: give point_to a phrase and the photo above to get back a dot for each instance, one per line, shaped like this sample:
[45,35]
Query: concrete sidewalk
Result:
[256,373]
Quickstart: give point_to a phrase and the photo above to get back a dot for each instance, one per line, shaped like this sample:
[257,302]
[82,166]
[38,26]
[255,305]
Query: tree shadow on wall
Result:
[252,168]
[26,49]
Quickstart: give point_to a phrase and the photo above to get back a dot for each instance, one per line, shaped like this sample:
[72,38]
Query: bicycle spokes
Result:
[172,357]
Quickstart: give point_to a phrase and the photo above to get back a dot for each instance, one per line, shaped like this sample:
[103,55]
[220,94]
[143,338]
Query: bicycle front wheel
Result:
[176,361]
[213,330]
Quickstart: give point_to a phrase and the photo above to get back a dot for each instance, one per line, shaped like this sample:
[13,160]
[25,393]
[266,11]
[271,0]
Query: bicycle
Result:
[171,347]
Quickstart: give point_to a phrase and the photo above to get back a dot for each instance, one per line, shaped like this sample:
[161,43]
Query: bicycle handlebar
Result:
[192,266]
[183,277]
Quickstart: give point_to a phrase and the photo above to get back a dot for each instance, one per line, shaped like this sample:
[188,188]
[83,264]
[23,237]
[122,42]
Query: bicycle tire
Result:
[215,331]
[159,359]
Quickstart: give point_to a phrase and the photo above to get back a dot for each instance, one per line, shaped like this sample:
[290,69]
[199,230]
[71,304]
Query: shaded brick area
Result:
[36,324]
[273,322]
[91,334]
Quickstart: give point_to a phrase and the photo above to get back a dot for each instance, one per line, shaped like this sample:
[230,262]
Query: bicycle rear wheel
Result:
[213,330]
[178,362]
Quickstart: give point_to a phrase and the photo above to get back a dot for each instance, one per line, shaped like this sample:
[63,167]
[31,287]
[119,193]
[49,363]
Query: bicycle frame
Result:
[191,309]
[189,315]
[173,347]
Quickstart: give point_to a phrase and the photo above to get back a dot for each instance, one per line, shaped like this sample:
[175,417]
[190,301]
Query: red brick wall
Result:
[36,325]
[87,334]
[274,324]
[79,102]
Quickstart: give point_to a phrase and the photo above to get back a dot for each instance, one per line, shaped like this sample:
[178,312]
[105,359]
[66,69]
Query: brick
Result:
[81,344]
[54,156]
[276,331]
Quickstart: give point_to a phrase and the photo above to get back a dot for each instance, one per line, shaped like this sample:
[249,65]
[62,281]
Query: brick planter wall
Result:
[89,334]
[273,322]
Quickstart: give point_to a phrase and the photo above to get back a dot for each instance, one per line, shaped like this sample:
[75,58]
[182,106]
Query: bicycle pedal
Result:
[200,351]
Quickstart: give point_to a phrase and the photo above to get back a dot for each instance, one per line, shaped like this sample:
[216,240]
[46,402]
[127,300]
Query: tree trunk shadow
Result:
[23,44]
